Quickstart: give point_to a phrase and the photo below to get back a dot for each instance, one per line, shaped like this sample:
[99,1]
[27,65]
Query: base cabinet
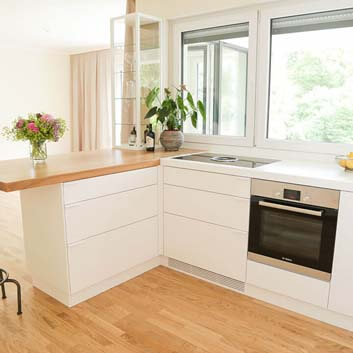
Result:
[293,285]
[341,293]
[98,258]
[214,248]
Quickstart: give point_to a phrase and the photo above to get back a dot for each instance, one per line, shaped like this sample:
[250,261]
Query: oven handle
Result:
[291,208]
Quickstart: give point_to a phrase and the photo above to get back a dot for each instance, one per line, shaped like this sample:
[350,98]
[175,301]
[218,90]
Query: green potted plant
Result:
[172,112]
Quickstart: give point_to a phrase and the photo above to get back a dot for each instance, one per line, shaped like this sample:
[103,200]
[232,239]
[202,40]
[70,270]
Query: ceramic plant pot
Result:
[172,140]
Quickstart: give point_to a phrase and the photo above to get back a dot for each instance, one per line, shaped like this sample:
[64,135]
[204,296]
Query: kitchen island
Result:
[90,219]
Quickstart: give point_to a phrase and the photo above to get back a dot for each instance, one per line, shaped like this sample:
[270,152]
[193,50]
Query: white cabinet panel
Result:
[90,188]
[211,247]
[103,256]
[205,206]
[306,289]
[103,214]
[220,183]
[341,293]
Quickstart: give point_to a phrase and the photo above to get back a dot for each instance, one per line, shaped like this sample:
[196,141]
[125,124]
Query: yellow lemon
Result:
[349,164]
[342,163]
[350,155]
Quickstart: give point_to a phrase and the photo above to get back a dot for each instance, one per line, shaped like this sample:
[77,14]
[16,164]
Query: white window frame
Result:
[263,71]
[232,17]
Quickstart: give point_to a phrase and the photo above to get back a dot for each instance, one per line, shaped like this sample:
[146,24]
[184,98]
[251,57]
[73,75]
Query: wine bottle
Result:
[150,139]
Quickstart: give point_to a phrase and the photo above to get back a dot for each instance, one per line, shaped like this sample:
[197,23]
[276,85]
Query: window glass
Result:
[215,71]
[311,78]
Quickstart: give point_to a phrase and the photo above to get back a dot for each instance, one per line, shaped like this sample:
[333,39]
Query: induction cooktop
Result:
[236,161]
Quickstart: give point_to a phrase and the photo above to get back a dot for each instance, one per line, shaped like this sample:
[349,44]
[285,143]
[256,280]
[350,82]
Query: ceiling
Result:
[68,26]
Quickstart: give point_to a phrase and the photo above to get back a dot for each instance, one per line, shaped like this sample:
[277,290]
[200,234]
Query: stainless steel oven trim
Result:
[290,208]
[306,271]
[310,195]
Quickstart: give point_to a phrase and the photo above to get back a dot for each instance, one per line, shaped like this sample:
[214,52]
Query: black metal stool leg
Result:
[19,297]
[2,286]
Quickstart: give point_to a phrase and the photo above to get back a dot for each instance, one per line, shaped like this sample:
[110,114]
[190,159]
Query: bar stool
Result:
[4,278]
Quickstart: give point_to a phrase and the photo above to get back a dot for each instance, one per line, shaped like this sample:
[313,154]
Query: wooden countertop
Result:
[20,174]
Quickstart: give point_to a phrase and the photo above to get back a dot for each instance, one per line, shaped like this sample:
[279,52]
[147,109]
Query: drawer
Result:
[220,183]
[96,216]
[306,289]
[101,257]
[206,206]
[211,247]
[90,188]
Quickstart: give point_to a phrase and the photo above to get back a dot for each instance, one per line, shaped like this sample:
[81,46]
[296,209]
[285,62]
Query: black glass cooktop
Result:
[224,159]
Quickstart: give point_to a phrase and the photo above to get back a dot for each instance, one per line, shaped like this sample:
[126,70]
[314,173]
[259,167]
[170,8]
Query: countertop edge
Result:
[76,175]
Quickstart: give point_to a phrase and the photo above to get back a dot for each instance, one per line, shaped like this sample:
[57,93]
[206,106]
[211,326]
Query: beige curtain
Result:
[91,101]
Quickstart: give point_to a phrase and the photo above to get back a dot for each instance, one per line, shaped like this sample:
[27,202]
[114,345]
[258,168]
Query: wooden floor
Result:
[161,311]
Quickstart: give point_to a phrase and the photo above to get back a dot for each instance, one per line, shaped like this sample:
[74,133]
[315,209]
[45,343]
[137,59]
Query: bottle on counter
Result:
[145,134]
[132,137]
[150,139]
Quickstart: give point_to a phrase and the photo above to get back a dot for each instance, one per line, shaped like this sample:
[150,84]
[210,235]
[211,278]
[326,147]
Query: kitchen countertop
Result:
[313,173]
[20,174]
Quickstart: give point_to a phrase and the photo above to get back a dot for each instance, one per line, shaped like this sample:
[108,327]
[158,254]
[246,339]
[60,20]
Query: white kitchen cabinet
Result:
[214,248]
[94,233]
[100,215]
[341,293]
[214,182]
[90,188]
[103,256]
[293,285]
[224,210]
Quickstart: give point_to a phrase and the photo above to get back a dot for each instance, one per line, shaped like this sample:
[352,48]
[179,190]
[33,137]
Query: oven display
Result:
[291,194]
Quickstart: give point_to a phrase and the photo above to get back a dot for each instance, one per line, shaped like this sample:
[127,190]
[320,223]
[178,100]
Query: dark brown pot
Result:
[171,140]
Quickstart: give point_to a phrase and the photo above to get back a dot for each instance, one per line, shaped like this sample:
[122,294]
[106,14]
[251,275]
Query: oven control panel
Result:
[296,193]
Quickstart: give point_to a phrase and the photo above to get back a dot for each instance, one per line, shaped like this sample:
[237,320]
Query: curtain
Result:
[130,6]
[91,101]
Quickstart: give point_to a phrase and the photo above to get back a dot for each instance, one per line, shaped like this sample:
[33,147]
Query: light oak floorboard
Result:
[161,311]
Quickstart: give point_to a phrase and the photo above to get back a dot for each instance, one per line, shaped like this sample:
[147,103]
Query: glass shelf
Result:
[135,72]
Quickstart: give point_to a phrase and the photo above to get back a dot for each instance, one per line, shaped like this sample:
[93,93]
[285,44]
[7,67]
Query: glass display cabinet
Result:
[137,68]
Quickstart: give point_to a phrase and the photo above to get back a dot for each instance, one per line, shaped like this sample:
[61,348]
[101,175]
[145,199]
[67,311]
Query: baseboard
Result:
[312,311]
[111,282]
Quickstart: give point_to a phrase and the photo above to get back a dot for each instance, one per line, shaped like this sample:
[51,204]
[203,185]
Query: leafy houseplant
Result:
[172,113]
[37,129]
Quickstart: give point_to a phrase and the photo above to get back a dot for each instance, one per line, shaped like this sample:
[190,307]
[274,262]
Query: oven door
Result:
[292,236]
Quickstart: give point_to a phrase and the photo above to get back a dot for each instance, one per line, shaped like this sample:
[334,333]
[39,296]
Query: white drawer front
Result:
[106,213]
[205,206]
[90,188]
[220,183]
[101,257]
[306,289]
[211,247]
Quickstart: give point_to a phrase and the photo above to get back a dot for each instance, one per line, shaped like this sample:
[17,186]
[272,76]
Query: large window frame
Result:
[258,89]
[267,14]
[232,17]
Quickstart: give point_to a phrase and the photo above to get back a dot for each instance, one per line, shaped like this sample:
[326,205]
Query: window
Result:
[214,69]
[311,78]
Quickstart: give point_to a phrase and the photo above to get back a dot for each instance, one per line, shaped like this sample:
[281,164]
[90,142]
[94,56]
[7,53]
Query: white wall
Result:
[33,81]
[183,8]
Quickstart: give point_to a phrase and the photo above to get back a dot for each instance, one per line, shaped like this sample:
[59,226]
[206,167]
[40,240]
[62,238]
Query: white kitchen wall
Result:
[33,81]
[173,9]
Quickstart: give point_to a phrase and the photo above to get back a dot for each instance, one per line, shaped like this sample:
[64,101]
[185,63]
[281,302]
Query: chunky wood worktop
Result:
[19,174]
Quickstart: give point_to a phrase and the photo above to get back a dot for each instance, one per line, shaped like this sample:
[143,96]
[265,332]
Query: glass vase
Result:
[38,151]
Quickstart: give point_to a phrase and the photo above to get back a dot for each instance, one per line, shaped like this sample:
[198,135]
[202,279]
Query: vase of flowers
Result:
[172,112]
[38,129]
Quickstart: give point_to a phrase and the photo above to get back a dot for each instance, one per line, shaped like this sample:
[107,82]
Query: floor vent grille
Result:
[208,275]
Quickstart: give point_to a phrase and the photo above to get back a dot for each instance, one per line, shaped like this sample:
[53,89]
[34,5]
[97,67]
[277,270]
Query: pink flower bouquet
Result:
[37,129]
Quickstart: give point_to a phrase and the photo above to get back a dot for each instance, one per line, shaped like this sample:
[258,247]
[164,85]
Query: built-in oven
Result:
[293,227]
